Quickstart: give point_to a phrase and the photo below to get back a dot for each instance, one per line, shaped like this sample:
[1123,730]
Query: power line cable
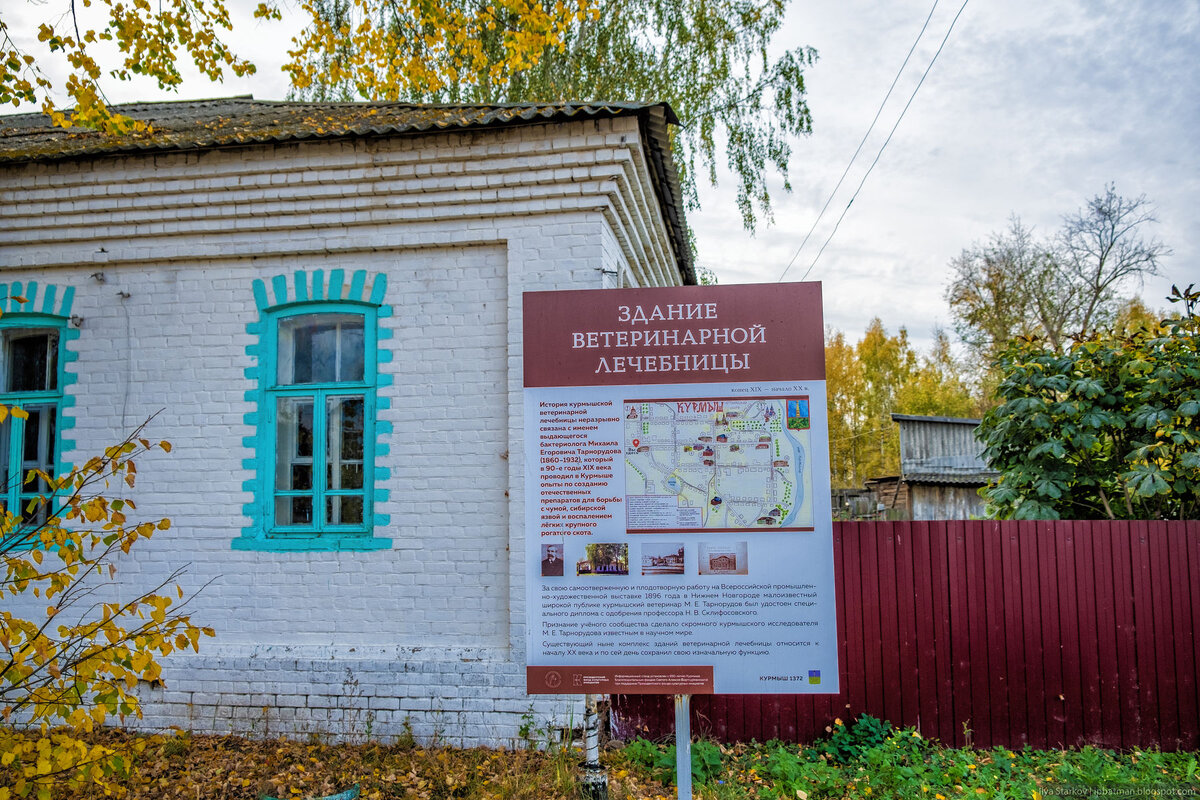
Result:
[882,147]
[863,141]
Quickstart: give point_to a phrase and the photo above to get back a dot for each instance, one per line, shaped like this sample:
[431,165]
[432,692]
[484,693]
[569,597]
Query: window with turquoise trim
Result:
[31,381]
[323,399]
[315,371]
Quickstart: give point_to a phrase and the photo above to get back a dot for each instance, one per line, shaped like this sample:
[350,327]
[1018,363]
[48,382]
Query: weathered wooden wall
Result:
[931,501]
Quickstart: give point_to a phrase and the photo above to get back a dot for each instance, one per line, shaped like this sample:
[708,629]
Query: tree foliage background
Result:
[149,40]
[154,40]
[881,375]
[1109,428]
[738,100]
[1073,282]
[710,59]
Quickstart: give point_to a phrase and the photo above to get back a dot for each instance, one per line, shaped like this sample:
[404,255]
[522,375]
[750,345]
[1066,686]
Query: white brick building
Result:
[292,284]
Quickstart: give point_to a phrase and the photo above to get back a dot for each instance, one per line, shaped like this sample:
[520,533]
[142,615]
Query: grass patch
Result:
[866,760]
[870,759]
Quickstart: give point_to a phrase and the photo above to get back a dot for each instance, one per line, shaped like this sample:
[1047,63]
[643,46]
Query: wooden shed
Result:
[941,471]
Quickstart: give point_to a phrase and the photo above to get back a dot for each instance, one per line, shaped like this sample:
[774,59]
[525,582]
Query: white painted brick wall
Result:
[428,634]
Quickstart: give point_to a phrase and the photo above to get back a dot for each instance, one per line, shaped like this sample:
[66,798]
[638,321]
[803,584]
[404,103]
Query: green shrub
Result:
[660,760]
[847,743]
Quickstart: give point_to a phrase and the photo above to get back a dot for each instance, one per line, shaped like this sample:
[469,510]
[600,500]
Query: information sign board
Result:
[678,529]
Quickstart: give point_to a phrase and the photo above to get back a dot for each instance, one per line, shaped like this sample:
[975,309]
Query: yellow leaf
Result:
[19,413]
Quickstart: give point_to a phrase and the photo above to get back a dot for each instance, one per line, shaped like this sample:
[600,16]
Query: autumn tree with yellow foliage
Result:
[416,49]
[878,376]
[438,43]
[151,40]
[75,662]
[740,99]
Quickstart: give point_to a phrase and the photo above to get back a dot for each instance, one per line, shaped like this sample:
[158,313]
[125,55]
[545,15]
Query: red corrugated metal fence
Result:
[1042,633]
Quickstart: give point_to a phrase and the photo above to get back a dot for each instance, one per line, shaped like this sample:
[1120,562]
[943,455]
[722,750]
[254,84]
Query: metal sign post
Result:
[683,746]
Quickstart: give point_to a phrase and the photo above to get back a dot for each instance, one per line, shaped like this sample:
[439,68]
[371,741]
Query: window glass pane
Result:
[352,351]
[33,425]
[351,477]
[301,477]
[52,362]
[37,446]
[349,413]
[32,360]
[50,457]
[38,514]
[344,453]
[320,348]
[303,442]
[7,474]
[293,510]
[294,443]
[344,510]
[322,351]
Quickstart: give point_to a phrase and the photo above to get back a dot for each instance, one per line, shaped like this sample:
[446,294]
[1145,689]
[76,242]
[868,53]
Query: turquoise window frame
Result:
[305,294]
[30,305]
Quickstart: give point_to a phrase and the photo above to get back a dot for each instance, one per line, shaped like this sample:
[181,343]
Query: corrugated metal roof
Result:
[956,420]
[240,121]
[941,450]
[975,478]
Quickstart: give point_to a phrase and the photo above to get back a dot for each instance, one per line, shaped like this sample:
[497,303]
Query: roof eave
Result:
[653,120]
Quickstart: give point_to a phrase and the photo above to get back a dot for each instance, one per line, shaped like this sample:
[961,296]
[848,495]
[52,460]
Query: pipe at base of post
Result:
[594,781]
[593,784]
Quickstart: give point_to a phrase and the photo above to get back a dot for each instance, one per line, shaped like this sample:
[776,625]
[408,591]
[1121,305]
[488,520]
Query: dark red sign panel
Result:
[619,680]
[687,334]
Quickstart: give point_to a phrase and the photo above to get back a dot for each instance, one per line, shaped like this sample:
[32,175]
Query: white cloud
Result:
[1030,109]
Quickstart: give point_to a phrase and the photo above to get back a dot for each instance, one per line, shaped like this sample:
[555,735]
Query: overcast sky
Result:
[1031,108]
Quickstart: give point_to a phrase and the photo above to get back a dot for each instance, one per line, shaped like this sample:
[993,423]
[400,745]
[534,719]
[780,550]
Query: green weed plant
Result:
[870,759]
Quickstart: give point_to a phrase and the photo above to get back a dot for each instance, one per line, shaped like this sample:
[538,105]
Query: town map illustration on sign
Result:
[717,465]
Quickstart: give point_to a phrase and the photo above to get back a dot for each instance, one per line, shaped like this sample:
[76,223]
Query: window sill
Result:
[301,544]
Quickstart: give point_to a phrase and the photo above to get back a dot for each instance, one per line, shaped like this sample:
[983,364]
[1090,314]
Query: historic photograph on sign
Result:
[552,561]
[604,558]
[723,559]
[662,558]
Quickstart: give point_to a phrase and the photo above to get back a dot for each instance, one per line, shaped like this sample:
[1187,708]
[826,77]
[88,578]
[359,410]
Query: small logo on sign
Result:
[814,676]
[553,680]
